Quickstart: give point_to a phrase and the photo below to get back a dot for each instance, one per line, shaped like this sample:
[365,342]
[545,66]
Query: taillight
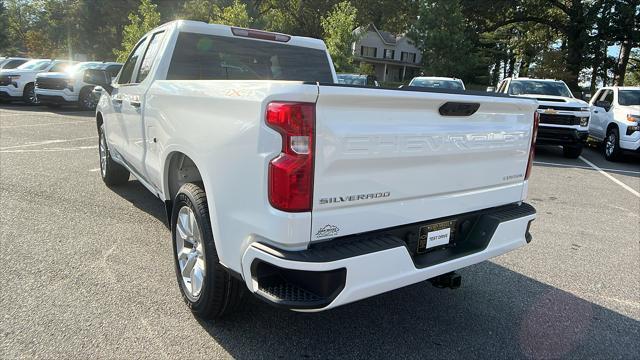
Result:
[532,150]
[291,172]
[262,35]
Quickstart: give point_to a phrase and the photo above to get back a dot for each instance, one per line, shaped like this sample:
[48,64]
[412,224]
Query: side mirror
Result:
[96,77]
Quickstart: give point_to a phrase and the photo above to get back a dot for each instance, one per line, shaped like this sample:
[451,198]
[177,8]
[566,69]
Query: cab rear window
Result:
[210,57]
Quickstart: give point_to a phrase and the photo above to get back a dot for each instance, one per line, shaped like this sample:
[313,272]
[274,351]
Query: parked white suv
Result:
[74,85]
[18,83]
[564,120]
[615,120]
[308,193]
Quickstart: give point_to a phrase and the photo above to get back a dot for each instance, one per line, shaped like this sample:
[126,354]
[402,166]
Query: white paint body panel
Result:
[220,125]
[617,114]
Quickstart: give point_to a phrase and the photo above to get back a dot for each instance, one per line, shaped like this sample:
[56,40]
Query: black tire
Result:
[220,293]
[612,145]
[86,101]
[29,95]
[572,151]
[112,173]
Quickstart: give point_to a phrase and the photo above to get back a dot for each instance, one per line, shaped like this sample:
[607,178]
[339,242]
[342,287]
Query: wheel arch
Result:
[99,120]
[612,125]
[178,169]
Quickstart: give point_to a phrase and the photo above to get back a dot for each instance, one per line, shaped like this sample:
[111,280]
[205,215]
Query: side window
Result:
[59,67]
[13,64]
[596,97]
[608,98]
[127,68]
[502,86]
[150,55]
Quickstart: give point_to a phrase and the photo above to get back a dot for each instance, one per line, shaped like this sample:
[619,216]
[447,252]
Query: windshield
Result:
[35,65]
[352,79]
[81,66]
[437,84]
[629,97]
[528,87]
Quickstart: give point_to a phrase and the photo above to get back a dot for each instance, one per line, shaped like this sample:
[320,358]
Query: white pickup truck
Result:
[307,193]
[18,84]
[564,120]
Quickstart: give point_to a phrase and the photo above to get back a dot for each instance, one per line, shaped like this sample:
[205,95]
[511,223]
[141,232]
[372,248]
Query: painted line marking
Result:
[47,150]
[59,123]
[623,185]
[94,170]
[45,143]
[585,167]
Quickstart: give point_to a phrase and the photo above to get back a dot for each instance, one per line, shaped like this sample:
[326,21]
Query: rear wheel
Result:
[572,151]
[206,286]
[112,172]
[29,95]
[612,145]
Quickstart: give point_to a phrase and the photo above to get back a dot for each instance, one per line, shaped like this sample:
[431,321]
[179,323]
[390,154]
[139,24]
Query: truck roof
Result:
[225,30]
[534,79]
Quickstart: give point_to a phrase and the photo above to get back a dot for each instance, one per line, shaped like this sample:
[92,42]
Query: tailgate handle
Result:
[459,109]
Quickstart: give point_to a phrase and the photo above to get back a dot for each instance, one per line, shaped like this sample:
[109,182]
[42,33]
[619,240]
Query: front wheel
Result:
[572,151]
[29,95]
[112,173]
[206,286]
[86,100]
[612,145]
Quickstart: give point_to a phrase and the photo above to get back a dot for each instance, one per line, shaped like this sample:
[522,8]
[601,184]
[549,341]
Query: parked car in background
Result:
[435,82]
[12,62]
[305,192]
[358,79]
[18,84]
[615,120]
[75,85]
[564,120]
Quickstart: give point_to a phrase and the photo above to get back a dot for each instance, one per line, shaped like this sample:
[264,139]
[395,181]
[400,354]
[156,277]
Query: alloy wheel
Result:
[190,253]
[103,154]
[610,144]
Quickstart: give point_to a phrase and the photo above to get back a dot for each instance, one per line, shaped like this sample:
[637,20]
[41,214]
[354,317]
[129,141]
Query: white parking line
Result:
[623,185]
[58,123]
[47,150]
[586,167]
[45,143]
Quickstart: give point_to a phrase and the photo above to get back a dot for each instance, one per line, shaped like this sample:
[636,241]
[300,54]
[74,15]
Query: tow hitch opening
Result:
[449,280]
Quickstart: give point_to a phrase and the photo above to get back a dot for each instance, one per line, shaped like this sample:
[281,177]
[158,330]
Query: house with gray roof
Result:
[394,57]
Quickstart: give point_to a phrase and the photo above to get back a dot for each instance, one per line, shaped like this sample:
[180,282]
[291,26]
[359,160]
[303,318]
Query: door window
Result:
[127,68]
[150,55]
[608,99]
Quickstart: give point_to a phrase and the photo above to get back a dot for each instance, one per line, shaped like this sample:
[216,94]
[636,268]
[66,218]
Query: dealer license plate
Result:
[435,235]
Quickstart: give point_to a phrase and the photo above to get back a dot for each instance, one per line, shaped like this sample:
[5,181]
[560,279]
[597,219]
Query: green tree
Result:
[440,33]
[338,26]
[144,20]
[236,14]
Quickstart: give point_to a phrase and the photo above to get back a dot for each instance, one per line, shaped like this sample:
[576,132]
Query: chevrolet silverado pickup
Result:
[18,84]
[280,182]
[72,86]
[564,120]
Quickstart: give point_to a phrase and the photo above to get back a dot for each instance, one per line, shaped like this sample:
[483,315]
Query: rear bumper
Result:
[349,269]
[560,136]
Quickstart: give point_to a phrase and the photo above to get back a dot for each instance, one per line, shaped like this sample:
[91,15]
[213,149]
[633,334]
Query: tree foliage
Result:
[144,20]
[338,26]
[440,33]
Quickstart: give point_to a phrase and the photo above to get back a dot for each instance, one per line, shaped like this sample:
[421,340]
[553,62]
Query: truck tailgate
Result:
[388,157]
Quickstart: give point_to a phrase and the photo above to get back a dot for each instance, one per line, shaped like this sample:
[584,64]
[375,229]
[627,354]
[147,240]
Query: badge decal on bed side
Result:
[327,231]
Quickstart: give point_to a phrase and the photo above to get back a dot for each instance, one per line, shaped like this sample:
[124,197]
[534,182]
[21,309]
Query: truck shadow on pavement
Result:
[497,314]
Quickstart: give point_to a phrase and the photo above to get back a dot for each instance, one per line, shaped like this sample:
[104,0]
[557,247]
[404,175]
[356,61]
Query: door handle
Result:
[135,103]
[116,101]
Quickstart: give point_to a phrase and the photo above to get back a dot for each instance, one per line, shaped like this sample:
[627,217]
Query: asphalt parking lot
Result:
[89,271]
